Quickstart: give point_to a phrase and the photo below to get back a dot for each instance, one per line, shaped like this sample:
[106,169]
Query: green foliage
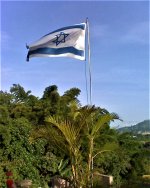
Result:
[4,115]
[19,93]
[71,95]
[69,134]
[17,151]
[5,98]
[125,161]
[67,144]
[51,100]
[69,103]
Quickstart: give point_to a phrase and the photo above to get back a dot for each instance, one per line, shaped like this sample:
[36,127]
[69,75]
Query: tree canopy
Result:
[55,135]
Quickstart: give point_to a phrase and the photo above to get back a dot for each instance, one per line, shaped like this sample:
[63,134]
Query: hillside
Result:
[141,127]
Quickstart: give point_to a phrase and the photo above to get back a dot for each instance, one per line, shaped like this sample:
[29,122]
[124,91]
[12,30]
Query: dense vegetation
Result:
[54,135]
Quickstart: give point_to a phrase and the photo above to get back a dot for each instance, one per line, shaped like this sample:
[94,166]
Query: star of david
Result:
[61,38]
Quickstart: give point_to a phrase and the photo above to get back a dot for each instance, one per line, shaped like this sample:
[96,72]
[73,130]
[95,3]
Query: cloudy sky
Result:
[119,36]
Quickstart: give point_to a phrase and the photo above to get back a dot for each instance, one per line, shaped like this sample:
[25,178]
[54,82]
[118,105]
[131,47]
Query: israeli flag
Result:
[64,42]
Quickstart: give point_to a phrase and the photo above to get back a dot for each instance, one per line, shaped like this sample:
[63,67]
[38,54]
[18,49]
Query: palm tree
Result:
[69,134]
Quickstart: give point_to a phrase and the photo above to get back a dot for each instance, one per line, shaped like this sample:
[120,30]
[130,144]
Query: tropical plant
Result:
[68,135]
[72,141]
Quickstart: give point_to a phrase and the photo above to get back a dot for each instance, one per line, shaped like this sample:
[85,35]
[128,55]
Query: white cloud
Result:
[121,76]
[4,36]
[137,33]
[5,39]
[99,30]
[134,33]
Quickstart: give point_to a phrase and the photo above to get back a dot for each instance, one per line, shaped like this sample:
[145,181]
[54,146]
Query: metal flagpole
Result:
[90,77]
[89,59]
[86,78]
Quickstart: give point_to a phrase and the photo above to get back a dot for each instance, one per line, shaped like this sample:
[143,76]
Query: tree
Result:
[50,100]
[19,93]
[69,134]
[18,154]
[70,140]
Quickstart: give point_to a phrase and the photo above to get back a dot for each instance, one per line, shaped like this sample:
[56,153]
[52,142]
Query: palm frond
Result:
[69,132]
[103,119]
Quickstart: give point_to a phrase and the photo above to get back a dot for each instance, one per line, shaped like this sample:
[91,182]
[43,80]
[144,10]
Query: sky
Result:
[119,40]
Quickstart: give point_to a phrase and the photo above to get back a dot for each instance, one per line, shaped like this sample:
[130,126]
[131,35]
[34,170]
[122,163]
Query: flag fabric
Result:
[64,42]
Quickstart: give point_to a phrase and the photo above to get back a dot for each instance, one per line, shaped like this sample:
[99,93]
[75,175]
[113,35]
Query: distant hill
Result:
[139,128]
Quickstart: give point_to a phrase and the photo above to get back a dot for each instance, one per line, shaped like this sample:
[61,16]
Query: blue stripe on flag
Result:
[80,26]
[56,51]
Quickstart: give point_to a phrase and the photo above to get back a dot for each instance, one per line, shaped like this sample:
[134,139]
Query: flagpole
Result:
[90,77]
[89,59]
[86,79]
